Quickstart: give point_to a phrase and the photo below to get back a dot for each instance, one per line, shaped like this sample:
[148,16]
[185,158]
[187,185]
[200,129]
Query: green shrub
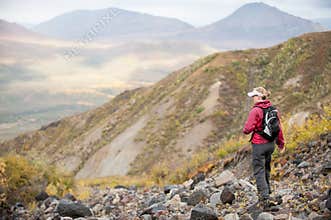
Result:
[21,179]
[312,128]
[231,145]
[199,109]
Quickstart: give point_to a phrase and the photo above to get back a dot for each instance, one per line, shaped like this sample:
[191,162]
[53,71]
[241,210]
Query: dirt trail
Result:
[211,101]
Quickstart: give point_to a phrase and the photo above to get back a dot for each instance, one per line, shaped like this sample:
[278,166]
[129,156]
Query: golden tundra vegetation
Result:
[298,73]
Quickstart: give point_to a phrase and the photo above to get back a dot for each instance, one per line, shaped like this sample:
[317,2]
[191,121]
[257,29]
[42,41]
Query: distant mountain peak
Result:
[253,25]
[124,24]
[256,4]
[257,8]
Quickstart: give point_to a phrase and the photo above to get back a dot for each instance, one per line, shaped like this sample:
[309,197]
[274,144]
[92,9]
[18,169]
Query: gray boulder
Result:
[304,164]
[168,188]
[41,196]
[227,196]
[265,216]
[246,217]
[202,212]
[215,199]
[196,197]
[231,217]
[153,209]
[224,178]
[71,209]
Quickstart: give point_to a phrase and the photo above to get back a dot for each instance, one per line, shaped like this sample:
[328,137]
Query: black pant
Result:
[261,167]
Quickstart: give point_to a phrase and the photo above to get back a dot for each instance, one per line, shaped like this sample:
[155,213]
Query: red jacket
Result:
[254,123]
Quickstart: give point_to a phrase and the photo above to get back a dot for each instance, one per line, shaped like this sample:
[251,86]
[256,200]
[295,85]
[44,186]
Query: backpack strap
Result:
[251,136]
[255,131]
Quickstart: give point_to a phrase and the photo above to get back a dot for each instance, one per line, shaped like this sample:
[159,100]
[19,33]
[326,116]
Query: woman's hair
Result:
[265,93]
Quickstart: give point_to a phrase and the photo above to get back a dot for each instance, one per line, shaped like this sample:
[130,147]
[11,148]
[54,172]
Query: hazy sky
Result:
[196,12]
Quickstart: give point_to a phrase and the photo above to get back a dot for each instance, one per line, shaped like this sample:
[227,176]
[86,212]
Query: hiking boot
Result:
[261,203]
[273,201]
[267,204]
[278,199]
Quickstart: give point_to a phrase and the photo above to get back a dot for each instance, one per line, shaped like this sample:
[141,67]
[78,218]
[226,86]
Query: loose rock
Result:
[265,216]
[304,164]
[71,209]
[196,197]
[227,196]
[202,212]
[224,178]
[41,196]
[231,217]
[246,217]
[215,199]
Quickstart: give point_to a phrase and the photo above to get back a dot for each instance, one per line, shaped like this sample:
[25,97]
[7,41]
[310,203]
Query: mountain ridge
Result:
[10,30]
[251,25]
[113,23]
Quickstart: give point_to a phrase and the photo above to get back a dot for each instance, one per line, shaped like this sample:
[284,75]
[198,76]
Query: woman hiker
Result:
[262,144]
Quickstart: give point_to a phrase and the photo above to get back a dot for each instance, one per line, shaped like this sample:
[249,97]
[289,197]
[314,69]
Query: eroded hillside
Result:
[191,109]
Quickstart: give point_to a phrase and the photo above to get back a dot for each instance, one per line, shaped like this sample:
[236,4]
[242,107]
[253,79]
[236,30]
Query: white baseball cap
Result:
[254,93]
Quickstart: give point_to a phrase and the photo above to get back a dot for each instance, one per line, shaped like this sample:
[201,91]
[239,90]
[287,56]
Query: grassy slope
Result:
[238,71]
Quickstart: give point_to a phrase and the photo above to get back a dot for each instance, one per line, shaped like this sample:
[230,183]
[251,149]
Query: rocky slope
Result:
[192,109]
[302,191]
